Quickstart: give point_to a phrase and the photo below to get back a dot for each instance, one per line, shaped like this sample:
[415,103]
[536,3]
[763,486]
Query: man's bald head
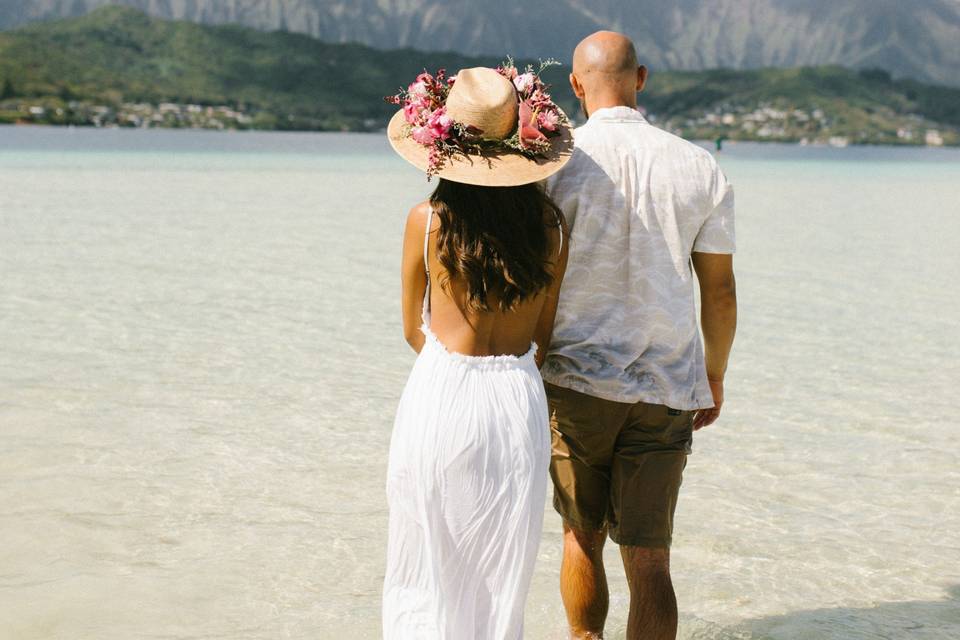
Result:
[605,53]
[605,70]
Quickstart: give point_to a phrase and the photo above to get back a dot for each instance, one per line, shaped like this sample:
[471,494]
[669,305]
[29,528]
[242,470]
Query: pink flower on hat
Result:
[437,127]
[424,135]
[539,98]
[419,89]
[528,124]
[413,109]
[548,120]
[524,81]
[440,123]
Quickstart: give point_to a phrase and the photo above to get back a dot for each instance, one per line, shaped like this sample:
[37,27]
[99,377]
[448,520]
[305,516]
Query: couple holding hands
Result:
[548,288]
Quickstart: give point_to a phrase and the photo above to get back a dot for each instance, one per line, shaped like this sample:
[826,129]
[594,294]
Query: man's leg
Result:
[584,430]
[647,471]
[583,582]
[653,604]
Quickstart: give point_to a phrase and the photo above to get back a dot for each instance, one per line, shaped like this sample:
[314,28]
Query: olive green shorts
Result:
[617,466]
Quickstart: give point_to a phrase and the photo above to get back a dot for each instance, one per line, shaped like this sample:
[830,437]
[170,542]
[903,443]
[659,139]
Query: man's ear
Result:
[641,78]
[576,86]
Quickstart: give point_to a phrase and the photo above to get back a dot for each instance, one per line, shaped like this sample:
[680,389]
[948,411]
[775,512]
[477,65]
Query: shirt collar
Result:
[616,114]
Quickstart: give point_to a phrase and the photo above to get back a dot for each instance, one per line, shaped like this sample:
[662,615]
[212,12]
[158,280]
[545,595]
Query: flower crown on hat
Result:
[424,109]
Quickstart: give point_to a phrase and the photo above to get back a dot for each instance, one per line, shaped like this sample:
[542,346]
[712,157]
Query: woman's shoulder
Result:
[416,225]
[418,213]
[417,217]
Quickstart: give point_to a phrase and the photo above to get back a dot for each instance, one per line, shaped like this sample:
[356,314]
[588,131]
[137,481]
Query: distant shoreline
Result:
[705,142]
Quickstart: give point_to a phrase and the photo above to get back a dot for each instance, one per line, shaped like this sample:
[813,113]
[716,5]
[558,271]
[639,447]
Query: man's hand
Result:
[706,417]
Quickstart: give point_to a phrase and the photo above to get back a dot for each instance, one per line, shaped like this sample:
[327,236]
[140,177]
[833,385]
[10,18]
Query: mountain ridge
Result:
[919,39]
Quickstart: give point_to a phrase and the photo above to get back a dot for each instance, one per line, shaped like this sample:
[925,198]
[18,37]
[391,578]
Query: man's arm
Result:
[718,319]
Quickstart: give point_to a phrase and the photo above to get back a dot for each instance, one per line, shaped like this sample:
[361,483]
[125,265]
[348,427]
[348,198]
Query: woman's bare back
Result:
[483,333]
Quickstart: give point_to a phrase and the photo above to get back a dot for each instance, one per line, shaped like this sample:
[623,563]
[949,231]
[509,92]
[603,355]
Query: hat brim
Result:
[488,169]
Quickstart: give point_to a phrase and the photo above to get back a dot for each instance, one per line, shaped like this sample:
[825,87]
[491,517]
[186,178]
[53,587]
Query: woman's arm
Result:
[413,276]
[548,314]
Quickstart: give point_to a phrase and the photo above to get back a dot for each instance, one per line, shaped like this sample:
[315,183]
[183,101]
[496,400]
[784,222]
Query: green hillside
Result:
[119,66]
[118,54]
[865,106]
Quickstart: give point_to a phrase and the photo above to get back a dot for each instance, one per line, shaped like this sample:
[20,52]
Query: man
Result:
[627,378]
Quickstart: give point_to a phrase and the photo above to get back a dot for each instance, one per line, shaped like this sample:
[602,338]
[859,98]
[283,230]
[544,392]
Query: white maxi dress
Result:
[466,485]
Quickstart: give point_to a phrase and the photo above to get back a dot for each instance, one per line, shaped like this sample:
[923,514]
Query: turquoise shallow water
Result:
[200,355]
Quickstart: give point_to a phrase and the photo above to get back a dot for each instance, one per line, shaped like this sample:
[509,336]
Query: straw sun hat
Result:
[468,129]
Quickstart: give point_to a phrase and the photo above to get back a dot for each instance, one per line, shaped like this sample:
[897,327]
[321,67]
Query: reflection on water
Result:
[200,355]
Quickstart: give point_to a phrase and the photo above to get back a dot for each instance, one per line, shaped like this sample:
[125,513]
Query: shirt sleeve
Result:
[717,235]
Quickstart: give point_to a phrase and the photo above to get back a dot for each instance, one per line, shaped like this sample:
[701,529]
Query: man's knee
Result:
[590,542]
[644,564]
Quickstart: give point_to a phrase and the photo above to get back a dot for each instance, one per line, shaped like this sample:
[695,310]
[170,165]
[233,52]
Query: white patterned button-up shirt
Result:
[638,201]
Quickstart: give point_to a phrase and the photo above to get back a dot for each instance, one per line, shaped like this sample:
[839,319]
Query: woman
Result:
[483,260]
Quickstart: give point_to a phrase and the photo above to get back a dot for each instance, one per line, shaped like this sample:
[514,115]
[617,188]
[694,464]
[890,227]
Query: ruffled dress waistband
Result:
[504,361]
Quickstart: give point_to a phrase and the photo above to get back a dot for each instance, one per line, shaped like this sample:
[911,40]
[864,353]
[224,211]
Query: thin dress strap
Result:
[426,267]
[560,225]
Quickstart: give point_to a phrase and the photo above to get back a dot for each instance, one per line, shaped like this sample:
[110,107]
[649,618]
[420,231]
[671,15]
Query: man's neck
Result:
[607,102]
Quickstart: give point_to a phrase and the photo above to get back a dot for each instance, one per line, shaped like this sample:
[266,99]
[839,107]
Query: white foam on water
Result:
[200,356]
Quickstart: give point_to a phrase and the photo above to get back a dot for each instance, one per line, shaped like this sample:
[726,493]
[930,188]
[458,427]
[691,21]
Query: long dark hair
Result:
[494,240]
